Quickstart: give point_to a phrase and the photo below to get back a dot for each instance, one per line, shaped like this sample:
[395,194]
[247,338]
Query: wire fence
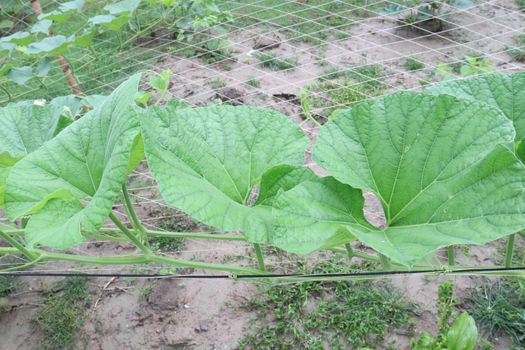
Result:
[305,59]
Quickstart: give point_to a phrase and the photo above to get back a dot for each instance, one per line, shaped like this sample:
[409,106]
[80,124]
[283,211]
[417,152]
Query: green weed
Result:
[413,64]
[218,83]
[276,63]
[499,308]
[312,314]
[518,52]
[325,97]
[63,314]
[254,82]
[173,221]
[8,285]
[145,293]
[521,4]
[167,244]
[446,304]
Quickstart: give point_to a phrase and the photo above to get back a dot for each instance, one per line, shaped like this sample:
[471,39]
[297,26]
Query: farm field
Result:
[258,137]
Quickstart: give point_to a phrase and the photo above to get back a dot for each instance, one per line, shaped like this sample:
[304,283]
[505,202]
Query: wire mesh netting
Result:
[305,59]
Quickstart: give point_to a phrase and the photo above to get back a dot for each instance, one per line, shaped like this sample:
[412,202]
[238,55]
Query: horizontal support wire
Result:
[366,274]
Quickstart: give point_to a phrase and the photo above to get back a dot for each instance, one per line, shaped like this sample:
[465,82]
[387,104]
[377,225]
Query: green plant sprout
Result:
[518,52]
[425,14]
[471,65]
[440,165]
[462,334]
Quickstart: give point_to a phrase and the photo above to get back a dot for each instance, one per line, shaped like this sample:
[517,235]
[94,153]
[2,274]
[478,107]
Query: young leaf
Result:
[5,69]
[109,21]
[160,82]
[57,16]
[75,5]
[43,68]
[463,333]
[20,75]
[500,90]
[439,166]
[6,48]
[84,40]
[87,161]
[54,44]
[18,38]
[42,26]
[122,7]
[206,160]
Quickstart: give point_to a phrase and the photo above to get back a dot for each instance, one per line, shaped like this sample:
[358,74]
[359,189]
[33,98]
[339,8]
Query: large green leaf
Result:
[501,90]
[88,161]
[317,214]
[23,129]
[207,160]
[439,166]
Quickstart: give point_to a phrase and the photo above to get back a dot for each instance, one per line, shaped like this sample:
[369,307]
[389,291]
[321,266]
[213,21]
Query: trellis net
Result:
[305,59]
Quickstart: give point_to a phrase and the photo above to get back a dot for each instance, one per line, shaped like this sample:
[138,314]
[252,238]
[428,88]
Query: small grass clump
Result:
[8,285]
[320,100]
[521,4]
[63,314]
[499,308]
[172,221]
[167,244]
[218,83]
[312,314]
[253,82]
[276,63]
[413,64]
[518,52]
[332,73]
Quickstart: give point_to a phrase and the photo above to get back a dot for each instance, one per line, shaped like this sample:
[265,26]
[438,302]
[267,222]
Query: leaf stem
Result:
[201,265]
[9,96]
[260,259]
[451,255]
[349,251]
[356,254]
[109,237]
[133,215]
[130,235]
[510,251]
[133,259]
[23,266]
[17,245]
